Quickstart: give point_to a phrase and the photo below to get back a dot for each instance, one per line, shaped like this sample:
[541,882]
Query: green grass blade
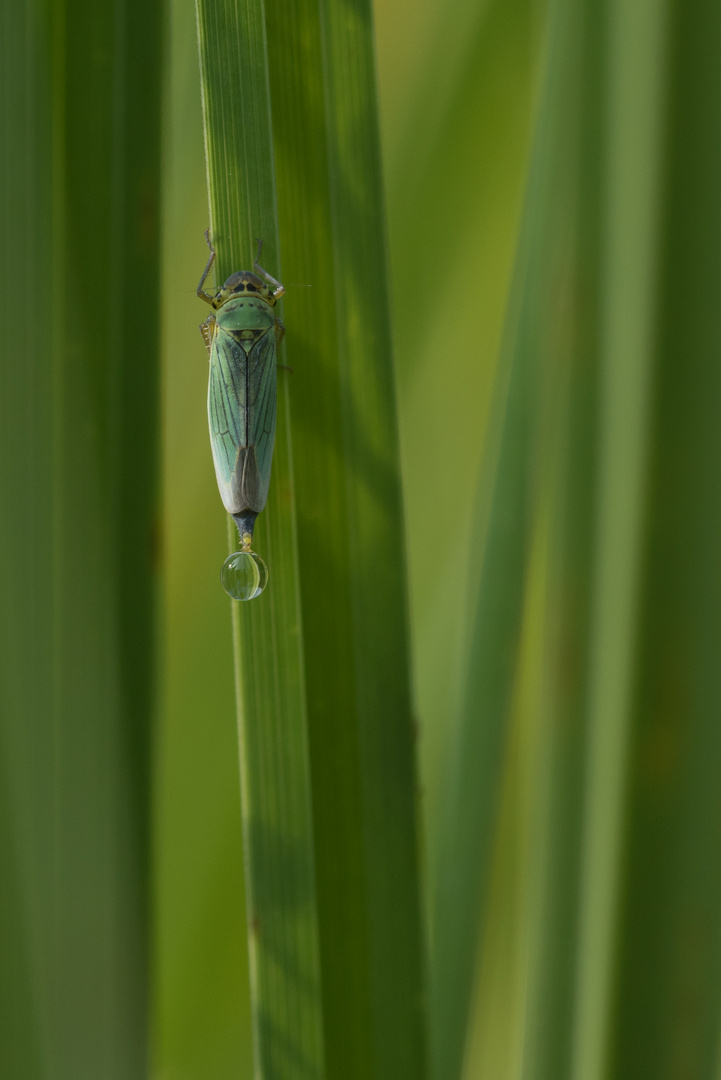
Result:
[470,802]
[350,537]
[456,145]
[544,391]
[201,1008]
[604,502]
[26,201]
[664,925]
[278,834]
[81,153]
[564,321]
[630,52]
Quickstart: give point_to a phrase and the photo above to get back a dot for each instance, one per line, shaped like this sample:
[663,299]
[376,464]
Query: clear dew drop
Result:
[244,575]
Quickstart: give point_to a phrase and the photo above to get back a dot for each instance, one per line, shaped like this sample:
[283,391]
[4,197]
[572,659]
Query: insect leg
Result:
[279,289]
[200,291]
[207,329]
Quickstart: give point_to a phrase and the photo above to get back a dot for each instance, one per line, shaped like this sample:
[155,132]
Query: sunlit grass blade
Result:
[539,407]
[277,824]
[458,163]
[79,205]
[470,798]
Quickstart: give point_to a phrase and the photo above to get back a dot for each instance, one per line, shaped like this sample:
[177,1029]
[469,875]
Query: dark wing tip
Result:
[246,480]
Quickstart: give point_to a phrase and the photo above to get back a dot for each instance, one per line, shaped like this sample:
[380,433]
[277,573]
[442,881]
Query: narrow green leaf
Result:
[349,546]
[562,315]
[624,47]
[81,153]
[201,1006]
[458,163]
[544,392]
[350,537]
[663,990]
[275,781]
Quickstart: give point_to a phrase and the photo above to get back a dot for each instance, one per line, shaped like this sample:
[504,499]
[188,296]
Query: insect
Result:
[242,335]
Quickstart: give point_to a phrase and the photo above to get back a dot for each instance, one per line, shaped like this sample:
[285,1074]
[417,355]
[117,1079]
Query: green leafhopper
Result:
[242,336]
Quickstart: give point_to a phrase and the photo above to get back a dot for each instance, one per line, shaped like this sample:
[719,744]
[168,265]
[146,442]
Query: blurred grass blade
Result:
[275,782]
[539,406]
[350,537]
[81,150]
[469,803]
[462,171]
[630,55]
[652,1007]
[608,450]
[565,324]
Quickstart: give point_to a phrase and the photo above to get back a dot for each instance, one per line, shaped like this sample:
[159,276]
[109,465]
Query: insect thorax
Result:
[237,314]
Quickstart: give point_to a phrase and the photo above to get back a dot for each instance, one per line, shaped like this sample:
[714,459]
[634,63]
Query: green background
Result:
[552,175]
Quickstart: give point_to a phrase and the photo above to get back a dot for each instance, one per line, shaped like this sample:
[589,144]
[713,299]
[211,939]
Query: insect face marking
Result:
[243,282]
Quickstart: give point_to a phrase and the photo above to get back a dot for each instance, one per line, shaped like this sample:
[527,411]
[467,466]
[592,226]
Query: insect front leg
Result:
[208,266]
[279,289]
[207,330]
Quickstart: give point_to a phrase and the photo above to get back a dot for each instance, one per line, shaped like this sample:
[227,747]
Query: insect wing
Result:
[241,416]
[263,374]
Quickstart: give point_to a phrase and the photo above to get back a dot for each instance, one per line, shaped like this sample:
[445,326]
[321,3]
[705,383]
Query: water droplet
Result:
[244,575]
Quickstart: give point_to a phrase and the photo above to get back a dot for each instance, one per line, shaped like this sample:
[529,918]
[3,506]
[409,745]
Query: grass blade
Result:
[544,392]
[350,537]
[79,225]
[278,834]
[664,924]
